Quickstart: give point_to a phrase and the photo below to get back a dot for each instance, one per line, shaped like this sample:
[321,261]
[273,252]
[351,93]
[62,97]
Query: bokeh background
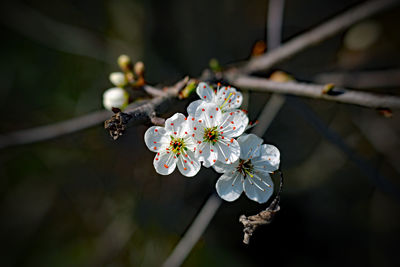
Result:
[86,200]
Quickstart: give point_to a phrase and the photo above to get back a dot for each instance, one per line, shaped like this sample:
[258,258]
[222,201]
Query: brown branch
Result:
[337,94]
[266,216]
[361,80]
[119,121]
[315,36]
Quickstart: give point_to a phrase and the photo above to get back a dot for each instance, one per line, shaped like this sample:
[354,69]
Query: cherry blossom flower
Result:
[214,133]
[115,98]
[174,146]
[250,173]
[226,98]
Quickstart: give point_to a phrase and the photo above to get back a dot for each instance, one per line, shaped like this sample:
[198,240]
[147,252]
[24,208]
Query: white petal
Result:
[228,98]
[197,129]
[205,92]
[228,150]
[207,153]
[229,186]
[258,188]
[234,123]
[209,114]
[156,138]
[165,163]
[188,165]
[269,158]
[191,109]
[177,125]
[225,168]
[250,146]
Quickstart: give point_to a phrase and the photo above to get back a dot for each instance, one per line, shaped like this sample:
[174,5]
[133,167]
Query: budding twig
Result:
[337,94]
[315,36]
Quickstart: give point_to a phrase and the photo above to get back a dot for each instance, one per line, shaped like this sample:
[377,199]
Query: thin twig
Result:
[251,223]
[385,141]
[274,23]
[361,80]
[315,36]
[268,114]
[120,121]
[51,131]
[57,35]
[342,95]
[195,231]
[377,179]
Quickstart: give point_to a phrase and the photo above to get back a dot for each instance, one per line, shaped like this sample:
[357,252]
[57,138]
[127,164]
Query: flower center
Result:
[211,135]
[177,145]
[245,167]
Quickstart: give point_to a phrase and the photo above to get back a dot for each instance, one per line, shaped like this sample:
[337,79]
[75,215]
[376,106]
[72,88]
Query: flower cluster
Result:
[212,135]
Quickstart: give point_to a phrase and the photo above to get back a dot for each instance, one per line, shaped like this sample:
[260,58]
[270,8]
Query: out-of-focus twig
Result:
[51,131]
[377,179]
[274,23]
[385,140]
[195,231]
[51,33]
[268,114]
[318,34]
[361,80]
[338,94]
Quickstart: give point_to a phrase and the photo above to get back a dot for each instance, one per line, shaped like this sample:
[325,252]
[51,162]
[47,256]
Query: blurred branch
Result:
[315,36]
[51,33]
[268,114]
[364,166]
[51,131]
[274,23]
[361,80]
[341,95]
[385,141]
[194,233]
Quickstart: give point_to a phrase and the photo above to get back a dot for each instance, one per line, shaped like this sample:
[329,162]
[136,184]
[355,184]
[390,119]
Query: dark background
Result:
[84,199]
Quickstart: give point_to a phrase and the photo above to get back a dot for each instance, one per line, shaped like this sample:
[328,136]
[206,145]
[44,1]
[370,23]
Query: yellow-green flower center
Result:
[245,167]
[211,135]
[177,145]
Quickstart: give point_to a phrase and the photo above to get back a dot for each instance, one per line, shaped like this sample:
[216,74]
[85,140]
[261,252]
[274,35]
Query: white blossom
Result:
[115,98]
[215,132]
[250,173]
[226,98]
[174,146]
[117,78]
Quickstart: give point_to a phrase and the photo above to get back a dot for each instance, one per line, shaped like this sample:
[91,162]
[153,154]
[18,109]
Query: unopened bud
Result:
[139,68]
[280,76]
[124,62]
[117,78]
[328,88]
[115,97]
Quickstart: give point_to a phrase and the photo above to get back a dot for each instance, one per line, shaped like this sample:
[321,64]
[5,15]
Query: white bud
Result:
[115,98]
[117,78]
